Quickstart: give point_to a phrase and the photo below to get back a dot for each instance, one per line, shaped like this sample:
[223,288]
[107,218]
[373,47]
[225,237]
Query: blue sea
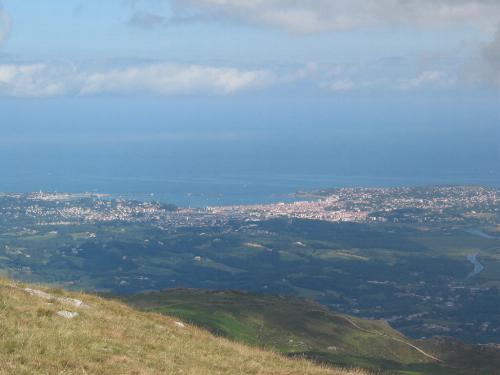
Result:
[242,164]
[230,189]
[254,189]
[221,173]
[237,150]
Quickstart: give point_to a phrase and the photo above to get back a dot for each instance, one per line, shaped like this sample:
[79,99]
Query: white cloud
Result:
[308,16]
[47,80]
[339,85]
[425,79]
[33,80]
[173,79]
[26,80]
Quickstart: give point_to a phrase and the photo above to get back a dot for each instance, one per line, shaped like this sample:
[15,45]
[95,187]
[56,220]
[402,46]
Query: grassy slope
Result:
[111,338]
[295,326]
[288,325]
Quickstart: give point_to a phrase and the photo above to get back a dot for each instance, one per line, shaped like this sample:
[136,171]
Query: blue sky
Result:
[161,47]
[420,74]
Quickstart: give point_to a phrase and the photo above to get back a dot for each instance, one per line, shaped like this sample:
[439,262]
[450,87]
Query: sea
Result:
[231,189]
[225,171]
[197,152]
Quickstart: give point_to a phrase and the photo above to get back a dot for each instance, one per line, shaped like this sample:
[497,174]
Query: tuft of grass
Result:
[112,338]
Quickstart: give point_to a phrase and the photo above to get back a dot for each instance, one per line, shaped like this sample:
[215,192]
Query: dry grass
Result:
[111,338]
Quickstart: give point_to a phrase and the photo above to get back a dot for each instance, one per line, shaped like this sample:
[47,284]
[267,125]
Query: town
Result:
[452,204]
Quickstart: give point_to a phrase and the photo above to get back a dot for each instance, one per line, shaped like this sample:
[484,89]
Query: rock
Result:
[67,314]
[73,301]
[38,293]
[180,324]
[68,301]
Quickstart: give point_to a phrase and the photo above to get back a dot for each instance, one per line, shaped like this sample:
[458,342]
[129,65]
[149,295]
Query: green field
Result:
[303,328]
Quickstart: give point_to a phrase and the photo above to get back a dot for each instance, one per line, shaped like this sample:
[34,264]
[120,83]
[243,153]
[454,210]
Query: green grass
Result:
[110,338]
[290,326]
[301,328]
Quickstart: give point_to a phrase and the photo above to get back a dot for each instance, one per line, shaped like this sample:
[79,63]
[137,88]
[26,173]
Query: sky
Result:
[265,82]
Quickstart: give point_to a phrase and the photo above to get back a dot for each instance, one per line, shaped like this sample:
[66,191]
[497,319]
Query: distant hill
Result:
[303,328]
[50,331]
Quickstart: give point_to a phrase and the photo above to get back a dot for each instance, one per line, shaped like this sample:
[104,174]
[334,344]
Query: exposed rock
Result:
[67,314]
[44,295]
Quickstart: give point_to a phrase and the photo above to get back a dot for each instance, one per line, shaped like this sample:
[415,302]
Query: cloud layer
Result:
[25,80]
[431,78]
[47,80]
[309,16]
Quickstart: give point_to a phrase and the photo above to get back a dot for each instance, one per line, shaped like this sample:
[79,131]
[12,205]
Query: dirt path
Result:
[355,325]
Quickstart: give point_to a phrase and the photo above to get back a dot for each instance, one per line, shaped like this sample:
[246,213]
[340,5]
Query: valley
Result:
[425,261]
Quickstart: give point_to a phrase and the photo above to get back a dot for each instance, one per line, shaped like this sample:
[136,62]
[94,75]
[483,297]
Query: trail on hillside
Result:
[355,325]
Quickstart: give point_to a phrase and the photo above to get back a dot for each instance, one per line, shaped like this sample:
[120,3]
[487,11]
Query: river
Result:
[480,233]
[478,267]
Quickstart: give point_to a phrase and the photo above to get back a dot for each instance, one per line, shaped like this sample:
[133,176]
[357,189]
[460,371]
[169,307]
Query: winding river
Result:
[478,267]
[480,233]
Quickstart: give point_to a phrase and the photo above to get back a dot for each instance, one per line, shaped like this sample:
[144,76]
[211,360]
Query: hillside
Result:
[299,327]
[50,331]
[292,326]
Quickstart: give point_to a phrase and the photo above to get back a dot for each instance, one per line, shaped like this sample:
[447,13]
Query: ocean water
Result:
[207,173]
[259,189]
[198,151]
[224,189]
[200,177]
[200,169]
